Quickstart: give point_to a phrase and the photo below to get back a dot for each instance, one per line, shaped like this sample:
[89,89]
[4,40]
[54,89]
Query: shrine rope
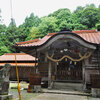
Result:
[81,57]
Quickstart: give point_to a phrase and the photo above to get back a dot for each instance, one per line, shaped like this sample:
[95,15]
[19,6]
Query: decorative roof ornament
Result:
[65,29]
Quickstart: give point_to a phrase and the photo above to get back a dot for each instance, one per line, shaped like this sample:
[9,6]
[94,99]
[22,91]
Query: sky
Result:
[40,8]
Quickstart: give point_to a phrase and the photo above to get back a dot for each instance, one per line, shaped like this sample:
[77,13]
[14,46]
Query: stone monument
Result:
[4,83]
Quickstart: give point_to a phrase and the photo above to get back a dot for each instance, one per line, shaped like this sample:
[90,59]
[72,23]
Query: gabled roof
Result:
[19,57]
[91,36]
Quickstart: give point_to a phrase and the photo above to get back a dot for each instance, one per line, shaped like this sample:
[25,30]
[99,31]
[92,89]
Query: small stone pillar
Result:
[4,83]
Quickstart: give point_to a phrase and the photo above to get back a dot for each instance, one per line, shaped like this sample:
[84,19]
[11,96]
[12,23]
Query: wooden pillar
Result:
[83,69]
[35,60]
[49,75]
[84,65]
[55,71]
[46,57]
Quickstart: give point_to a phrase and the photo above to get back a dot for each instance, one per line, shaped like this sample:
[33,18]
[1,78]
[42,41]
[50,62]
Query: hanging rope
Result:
[90,53]
[81,57]
[18,79]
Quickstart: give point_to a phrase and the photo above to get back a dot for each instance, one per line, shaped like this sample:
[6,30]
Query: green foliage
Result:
[62,16]
[21,33]
[90,17]
[47,25]
[2,29]
[60,12]
[31,21]
[98,26]
[3,47]
[33,33]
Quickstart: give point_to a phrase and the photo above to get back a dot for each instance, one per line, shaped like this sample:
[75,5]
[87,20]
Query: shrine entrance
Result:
[61,56]
[67,51]
[68,71]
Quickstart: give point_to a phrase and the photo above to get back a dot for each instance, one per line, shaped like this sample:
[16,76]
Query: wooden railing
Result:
[69,75]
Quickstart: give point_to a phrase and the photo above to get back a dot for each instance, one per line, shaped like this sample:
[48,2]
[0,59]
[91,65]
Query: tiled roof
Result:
[19,57]
[19,64]
[28,42]
[91,36]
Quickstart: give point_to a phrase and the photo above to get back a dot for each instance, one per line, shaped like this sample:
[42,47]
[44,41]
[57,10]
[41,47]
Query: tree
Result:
[3,47]
[98,26]
[47,25]
[31,21]
[11,34]
[2,29]
[21,33]
[90,5]
[90,17]
[62,16]
[33,33]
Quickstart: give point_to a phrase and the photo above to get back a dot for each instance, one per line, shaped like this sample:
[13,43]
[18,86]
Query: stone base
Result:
[95,92]
[6,97]
[68,86]
[34,88]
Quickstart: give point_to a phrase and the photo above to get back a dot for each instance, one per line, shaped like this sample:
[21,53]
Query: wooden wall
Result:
[91,66]
[24,72]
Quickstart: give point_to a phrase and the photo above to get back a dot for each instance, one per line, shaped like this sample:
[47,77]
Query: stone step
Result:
[67,86]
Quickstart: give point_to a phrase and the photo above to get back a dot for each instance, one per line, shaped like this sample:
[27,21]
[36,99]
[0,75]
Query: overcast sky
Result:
[23,8]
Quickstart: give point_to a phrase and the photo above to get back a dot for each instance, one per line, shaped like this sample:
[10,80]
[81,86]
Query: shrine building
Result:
[66,56]
[25,64]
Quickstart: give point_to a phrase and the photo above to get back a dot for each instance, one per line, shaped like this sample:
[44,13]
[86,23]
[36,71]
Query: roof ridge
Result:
[15,53]
[26,42]
[50,34]
[85,31]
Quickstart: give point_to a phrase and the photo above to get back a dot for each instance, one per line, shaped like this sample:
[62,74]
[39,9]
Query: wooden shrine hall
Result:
[25,64]
[66,56]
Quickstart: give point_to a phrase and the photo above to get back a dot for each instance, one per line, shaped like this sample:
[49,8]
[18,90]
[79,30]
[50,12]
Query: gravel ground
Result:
[45,96]
[24,94]
[91,98]
[48,96]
